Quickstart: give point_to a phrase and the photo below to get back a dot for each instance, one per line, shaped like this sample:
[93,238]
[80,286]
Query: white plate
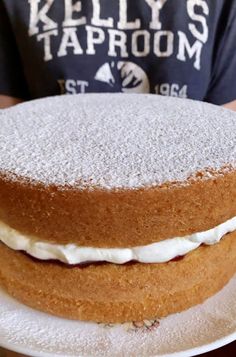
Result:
[200,329]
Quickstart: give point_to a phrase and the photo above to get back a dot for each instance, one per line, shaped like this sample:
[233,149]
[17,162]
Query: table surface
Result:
[229,351]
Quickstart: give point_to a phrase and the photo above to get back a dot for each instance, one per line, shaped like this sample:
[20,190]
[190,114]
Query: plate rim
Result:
[191,352]
[187,353]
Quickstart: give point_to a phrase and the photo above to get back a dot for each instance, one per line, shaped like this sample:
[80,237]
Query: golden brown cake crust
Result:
[117,293]
[122,218]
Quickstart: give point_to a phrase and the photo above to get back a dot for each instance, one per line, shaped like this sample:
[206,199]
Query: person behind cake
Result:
[170,47]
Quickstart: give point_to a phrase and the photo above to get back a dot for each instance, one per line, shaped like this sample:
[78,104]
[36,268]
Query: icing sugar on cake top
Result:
[115,140]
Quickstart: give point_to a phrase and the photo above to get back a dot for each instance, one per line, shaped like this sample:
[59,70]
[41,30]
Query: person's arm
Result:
[13,85]
[7,101]
[222,88]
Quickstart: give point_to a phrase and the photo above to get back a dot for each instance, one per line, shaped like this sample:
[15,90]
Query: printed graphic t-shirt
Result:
[184,48]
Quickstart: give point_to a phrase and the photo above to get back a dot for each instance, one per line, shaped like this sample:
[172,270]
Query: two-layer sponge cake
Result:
[116,207]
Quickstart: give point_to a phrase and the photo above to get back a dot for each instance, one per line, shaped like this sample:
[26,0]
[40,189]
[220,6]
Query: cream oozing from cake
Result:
[115,141]
[159,252]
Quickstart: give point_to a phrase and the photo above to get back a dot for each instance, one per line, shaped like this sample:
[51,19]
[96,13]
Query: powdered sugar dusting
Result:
[115,140]
[39,334]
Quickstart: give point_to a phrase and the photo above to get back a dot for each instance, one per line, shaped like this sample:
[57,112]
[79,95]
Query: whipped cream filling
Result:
[159,252]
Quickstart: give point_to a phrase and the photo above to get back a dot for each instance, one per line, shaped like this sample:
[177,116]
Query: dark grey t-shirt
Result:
[184,48]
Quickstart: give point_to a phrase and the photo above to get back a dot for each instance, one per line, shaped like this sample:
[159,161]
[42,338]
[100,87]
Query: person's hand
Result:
[6,101]
[231,105]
